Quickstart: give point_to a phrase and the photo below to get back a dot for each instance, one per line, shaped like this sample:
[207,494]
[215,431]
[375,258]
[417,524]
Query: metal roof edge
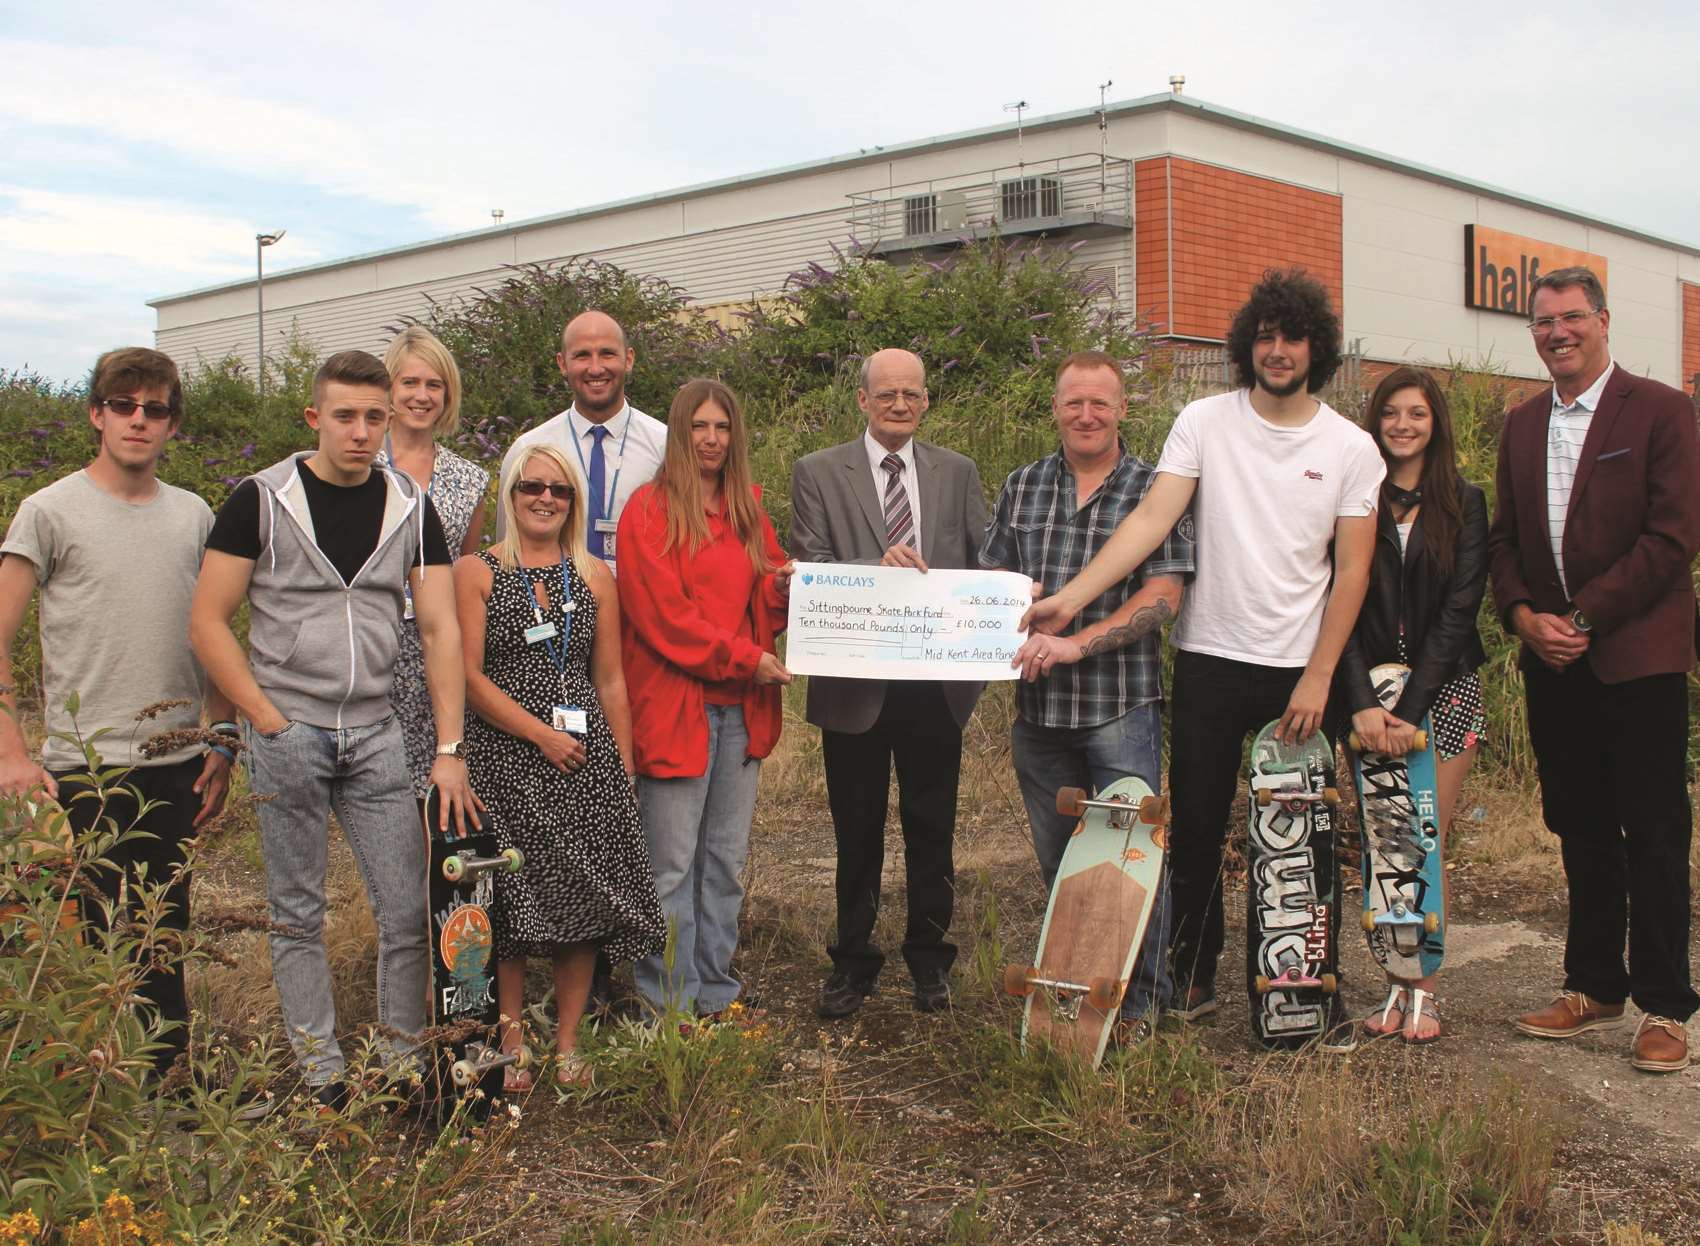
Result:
[870,155]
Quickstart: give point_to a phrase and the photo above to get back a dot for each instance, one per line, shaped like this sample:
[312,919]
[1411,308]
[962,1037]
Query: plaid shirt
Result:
[1039,531]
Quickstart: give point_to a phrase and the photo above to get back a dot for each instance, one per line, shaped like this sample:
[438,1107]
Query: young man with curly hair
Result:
[1282,490]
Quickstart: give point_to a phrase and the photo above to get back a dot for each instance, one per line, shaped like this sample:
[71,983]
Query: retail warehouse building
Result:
[1175,204]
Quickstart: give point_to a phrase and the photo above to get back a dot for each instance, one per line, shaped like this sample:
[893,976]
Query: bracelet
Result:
[226,727]
[223,752]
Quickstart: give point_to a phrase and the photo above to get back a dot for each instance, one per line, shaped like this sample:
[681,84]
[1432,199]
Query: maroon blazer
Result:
[1631,533]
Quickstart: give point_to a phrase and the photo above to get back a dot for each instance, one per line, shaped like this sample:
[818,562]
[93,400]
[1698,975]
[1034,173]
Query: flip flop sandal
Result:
[572,1071]
[515,1080]
[1414,1018]
[1398,997]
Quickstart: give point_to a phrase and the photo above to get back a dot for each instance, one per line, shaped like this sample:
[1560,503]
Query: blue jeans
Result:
[361,772]
[1049,758]
[699,838]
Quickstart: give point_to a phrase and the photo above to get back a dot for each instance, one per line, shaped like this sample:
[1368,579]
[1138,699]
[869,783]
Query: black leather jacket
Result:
[1439,614]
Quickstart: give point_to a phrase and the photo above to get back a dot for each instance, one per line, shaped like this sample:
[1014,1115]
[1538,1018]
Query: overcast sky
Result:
[142,146]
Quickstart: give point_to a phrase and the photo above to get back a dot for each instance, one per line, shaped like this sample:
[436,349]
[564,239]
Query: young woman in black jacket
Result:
[1425,590]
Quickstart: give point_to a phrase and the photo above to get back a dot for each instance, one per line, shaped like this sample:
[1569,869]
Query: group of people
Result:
[601,684]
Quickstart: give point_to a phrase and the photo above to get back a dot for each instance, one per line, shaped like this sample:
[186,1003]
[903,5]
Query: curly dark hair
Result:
[1297,304]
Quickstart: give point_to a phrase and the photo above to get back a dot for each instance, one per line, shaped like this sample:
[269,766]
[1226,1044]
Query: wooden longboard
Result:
[459,886]
[1095,921]
[1292,887]
[1400,816]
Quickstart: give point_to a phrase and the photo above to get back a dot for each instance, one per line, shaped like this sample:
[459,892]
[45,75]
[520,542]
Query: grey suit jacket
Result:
[836,516]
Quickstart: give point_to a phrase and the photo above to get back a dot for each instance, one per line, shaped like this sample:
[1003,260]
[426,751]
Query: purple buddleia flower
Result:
[956,332]
[247,451]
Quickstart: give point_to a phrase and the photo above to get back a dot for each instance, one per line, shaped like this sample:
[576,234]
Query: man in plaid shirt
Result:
[1090,707]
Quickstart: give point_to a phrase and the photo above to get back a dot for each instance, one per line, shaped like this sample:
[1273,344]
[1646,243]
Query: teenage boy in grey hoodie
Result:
[329,551]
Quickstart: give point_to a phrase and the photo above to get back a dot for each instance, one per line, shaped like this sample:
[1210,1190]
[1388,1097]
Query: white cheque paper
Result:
[895,623]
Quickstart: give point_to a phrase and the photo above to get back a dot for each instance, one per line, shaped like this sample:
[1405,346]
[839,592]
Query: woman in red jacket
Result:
[704,588]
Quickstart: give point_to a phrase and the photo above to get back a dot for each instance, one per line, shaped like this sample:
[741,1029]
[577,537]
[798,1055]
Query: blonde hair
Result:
[681,484]
[418,342]
[506,551]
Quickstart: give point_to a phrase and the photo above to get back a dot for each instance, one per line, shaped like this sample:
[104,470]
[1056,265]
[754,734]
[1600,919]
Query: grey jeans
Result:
[361,772]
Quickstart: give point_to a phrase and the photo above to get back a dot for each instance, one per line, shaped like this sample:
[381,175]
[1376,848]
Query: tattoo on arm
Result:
[1145,620]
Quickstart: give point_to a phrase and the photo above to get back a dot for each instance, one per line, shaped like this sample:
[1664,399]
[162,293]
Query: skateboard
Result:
[466,1055]
[38,843]
[1399,814]
[1095,921]
[1292,886]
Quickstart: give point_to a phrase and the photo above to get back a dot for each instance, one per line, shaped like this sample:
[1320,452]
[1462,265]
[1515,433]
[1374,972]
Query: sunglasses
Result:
[126,407]
[536,488]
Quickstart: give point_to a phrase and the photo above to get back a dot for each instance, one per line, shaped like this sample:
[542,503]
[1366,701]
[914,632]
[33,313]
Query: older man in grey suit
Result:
[889,499]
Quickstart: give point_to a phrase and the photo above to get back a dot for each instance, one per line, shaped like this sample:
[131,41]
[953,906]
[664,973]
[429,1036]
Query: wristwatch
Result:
[456,750]
[1580,622]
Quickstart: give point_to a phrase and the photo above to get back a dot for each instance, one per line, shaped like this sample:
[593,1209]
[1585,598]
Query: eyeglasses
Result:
[889,397]
[126,407]
[1542,325]
[536,489]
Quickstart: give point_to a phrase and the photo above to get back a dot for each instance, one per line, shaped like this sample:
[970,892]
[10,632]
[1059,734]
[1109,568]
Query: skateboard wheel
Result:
[1015,980]
[1431,923]
[1261,983]
[1160,837]
[1420,741]
[1330,984]
[1104,993]
[463,1073]
[1369,920]
[1154,810]
[1331,797]
[1354,743]
[454,869]
[1265,797]
[515,859]
[1071,801]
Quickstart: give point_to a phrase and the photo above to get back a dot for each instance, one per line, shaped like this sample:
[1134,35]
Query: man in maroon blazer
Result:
[1597,527]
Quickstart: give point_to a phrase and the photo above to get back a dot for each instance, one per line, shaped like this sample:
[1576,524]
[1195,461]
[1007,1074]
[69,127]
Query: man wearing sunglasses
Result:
[322,545]
[114,552]
[1598,523]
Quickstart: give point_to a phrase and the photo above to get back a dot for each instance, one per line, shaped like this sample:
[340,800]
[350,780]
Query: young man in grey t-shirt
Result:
[114,552]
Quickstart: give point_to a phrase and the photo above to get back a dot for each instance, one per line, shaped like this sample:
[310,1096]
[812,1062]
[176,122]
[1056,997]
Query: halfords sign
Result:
[1499,267]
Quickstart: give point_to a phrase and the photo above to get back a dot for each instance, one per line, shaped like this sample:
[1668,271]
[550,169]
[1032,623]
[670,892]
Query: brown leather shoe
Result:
[1661,1045]
[1572,1013]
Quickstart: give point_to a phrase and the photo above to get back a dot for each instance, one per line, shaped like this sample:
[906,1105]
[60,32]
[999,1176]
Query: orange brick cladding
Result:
[1690,335]
[1203,236]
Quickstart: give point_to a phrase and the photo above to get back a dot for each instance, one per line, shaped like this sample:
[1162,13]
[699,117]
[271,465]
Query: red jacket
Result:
[671,648]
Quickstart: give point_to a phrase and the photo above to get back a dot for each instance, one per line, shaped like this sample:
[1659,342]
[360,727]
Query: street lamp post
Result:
[261,242]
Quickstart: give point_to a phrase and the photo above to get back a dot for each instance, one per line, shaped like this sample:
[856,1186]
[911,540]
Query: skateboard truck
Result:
[1294,801]
[1073,802]
[481,1058]
[458,867]
[1102,993]
[1400,913]
[1294,978]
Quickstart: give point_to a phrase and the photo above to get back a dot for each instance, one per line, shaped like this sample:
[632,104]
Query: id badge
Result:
[569,718]
[540,631]
[607,527]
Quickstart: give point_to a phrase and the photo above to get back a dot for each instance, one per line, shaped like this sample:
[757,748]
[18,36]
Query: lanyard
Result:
[614,485]
[559,658]
[430,481]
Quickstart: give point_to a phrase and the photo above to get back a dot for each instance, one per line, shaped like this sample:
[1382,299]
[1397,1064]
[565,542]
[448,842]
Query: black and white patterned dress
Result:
[456,488]
[586,877]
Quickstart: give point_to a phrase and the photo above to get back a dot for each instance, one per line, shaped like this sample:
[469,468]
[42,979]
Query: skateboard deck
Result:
[459,886]
[1399,815]
[1292,887]
[36,835]
[1095,920]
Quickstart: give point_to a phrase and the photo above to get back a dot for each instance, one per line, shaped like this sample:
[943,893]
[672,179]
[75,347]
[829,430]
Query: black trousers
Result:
[915,730]
[1217,703]
[1613,764]
[169,825]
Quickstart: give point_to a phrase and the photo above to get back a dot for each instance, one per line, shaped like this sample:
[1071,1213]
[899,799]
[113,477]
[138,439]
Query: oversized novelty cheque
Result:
[897,623]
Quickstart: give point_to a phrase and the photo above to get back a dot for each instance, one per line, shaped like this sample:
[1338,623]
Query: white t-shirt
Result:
[632,454]
[1264,513]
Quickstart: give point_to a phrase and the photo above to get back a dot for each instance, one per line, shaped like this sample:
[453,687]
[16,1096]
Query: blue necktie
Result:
[598,483]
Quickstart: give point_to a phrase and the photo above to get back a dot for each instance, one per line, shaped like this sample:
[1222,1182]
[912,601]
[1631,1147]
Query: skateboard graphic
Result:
[460,883]
[1399,814]
[35,834]
[1291,889]
[1095,920]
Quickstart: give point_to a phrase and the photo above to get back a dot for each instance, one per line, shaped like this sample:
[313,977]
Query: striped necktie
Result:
[899,522]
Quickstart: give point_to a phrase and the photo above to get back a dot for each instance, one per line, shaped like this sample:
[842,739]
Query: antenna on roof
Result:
[1103,134]
[1177,82]
[496,215]
[1019,107]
